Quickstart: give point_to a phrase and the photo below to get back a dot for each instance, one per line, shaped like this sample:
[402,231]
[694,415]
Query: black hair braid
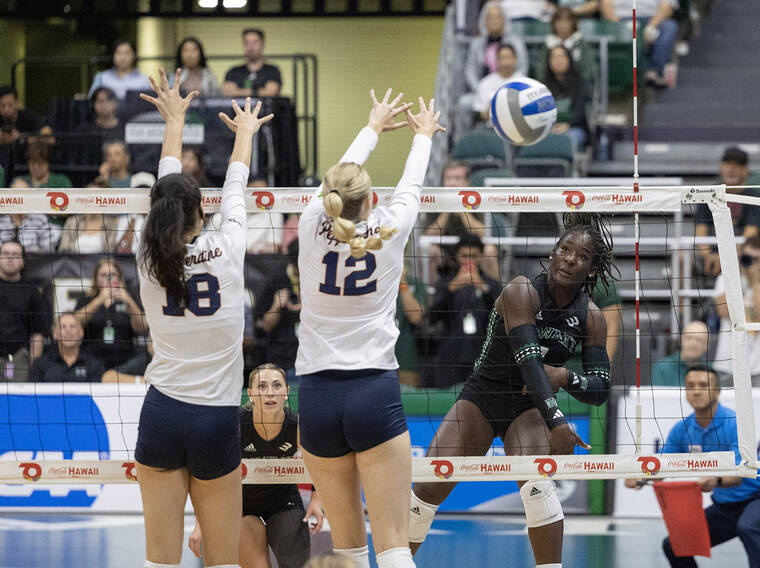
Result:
[594,225]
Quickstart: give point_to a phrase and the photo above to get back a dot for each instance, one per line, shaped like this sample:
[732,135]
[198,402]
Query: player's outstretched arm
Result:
[172,107]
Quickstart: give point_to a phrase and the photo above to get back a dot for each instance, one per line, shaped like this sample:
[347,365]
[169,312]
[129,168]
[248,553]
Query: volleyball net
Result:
[54,432]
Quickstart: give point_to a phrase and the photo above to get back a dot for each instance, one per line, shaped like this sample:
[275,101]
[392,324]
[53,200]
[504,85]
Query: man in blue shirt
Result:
[736,500]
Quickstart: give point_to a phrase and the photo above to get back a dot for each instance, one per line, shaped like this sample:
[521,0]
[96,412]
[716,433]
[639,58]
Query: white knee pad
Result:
[149,564]
[358,555]
[542,506]
[421,516]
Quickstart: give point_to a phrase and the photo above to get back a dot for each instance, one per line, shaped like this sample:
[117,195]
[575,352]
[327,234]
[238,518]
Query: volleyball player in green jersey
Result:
[533,330]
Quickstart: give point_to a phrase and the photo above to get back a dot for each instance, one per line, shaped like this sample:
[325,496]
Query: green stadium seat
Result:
[478,178]
[552,157]
[480,148]
[620,57]
[531,28]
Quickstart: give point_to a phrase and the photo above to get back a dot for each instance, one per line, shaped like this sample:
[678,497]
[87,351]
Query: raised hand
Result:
[171,105]
[245,119]
[425,122]
[383,114]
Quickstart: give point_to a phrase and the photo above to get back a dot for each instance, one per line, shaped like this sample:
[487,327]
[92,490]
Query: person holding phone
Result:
[459,315]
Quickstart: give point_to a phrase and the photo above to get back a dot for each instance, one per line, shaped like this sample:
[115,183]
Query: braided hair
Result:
[593,224]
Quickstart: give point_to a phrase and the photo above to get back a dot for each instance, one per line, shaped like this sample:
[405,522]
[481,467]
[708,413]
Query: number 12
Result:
[330,260]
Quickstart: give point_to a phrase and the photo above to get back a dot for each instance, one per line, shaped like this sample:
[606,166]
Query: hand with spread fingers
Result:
[170,103]
[425,122]
[245,118]
[382,117]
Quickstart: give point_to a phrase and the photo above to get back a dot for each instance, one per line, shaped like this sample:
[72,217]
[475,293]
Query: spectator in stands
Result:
[749,270]
[16,122]
[33,231]
[110,316]
[495,29]
[89,233]
[410,316]
[105,124]
[527,10]
[660,30]
[280,313]
[254,77]
[565,33]
[115,166]
[123,76]
[457,174]
[133,370]
[580,8]
[735,510]
[506,70]
[734,170]
[67,362]
[196,76]
[460,311]
[192,165]
[572,95]
[670,371]
[38,162]
[23,315]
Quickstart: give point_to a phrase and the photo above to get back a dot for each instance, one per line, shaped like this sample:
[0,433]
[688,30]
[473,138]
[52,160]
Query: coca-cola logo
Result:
[574,199]
[649,464]
[264,200]
[575,466]
[129,471]
[59,200]
[263,470]
[470,467]
[62,470]
[31,471]
[546,466]
[443,468]
[470,199]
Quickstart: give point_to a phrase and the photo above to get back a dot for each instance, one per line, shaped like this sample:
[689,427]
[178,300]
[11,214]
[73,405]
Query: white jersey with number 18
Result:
[198,349]
[349,305]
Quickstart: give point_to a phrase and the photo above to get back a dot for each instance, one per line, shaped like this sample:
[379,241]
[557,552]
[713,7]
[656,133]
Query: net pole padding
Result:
[745,419]
[429,469]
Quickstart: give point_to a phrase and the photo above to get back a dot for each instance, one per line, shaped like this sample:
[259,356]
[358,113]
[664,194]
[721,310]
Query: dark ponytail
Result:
[175,203]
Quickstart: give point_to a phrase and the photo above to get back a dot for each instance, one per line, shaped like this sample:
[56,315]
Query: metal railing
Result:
[304,72]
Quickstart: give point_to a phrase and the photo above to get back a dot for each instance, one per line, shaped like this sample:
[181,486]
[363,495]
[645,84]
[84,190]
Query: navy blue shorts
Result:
[349,411]
[174,434]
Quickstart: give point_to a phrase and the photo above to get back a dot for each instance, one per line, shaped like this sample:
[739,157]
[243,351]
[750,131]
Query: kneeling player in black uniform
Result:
[533,330]
[273,515]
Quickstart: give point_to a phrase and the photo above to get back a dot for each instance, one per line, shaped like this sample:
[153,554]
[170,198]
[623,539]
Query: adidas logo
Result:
[557,414]
[534,492]
[415,510]
[250,448]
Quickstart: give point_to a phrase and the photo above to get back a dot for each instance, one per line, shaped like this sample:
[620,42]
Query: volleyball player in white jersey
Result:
[353,428]
[192,288]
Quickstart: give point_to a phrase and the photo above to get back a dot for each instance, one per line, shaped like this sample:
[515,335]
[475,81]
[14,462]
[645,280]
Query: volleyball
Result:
[523,111]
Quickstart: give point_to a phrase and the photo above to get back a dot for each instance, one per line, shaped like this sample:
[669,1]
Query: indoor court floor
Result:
[117,541]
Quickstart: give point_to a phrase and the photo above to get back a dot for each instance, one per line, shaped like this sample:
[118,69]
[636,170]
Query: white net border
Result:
[609,199]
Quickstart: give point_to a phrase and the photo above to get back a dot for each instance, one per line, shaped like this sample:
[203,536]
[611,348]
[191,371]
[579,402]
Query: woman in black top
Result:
[533,330]
[110,316]
[572,94]
[273,515]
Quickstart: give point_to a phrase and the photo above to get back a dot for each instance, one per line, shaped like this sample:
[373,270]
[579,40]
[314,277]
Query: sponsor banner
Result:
[293,200]
[153,133]
[662,409]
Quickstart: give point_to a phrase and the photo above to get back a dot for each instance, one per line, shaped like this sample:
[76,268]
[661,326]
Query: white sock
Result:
[555,565]
[358,555]
[400,557]
[149,564]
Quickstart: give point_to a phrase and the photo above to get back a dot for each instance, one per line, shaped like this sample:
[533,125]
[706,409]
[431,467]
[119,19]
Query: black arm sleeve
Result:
[527,353]
[593,386]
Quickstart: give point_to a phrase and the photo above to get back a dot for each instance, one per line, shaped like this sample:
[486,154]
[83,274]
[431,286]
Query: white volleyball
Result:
[523,111]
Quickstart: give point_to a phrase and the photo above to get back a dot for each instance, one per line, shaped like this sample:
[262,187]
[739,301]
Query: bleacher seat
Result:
[620,62]
[478,178]
[552,157]
[481,148]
